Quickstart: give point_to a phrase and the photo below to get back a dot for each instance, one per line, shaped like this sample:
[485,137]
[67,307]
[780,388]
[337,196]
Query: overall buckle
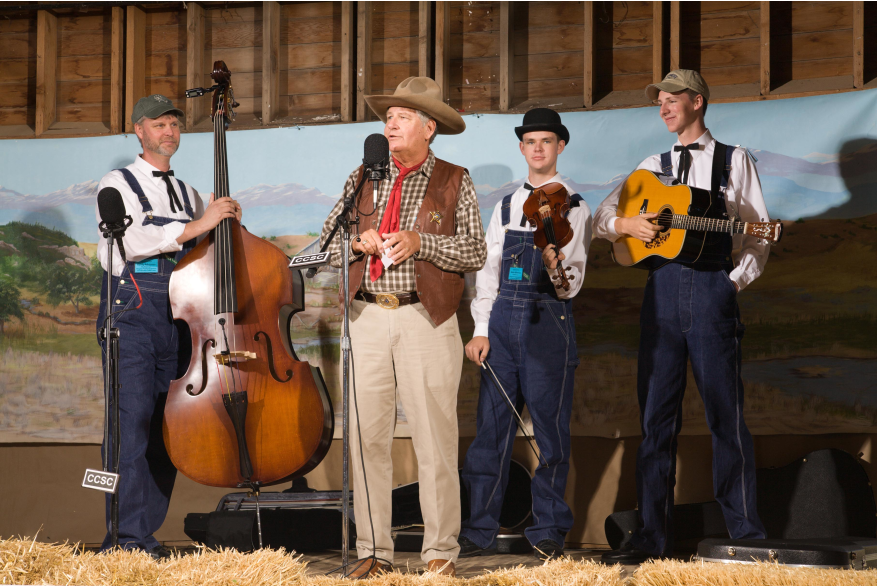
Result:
[387,301]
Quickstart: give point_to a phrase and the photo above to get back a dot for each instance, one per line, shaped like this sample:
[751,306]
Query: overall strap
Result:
[721,167]
[135,187]
[506,210]
[188,207]
[666,164]
[575,200]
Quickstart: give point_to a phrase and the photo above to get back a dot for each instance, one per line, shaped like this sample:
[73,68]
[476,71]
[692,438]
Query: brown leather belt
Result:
[388,301]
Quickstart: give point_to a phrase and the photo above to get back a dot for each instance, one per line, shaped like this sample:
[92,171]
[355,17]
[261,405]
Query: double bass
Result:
[247,412]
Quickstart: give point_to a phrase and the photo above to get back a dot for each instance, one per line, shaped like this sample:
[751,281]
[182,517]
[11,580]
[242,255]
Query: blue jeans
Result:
[691,313]
[148,361]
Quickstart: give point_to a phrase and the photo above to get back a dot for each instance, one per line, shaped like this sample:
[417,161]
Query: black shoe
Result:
[627,555]
[546,549]
[159,553]
[469,548]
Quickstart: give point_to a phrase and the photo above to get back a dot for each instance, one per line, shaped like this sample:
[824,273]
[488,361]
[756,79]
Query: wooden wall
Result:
[78,71]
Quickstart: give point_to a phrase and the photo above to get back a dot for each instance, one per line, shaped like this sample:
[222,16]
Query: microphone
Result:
[111,208]
[376,158]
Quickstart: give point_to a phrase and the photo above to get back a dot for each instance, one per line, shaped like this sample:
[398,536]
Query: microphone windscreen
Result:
[110,206]
[377,149]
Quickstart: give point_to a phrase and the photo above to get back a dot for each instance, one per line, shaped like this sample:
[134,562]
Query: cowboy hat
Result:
[424,94]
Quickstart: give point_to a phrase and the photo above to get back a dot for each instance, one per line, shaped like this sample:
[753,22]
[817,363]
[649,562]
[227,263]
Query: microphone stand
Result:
[342,221]
[110,335]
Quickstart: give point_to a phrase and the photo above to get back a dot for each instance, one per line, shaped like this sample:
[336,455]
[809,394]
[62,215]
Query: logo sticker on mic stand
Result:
[101,480]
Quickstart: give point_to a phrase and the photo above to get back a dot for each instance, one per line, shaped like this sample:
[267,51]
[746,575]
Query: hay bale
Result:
[671,572]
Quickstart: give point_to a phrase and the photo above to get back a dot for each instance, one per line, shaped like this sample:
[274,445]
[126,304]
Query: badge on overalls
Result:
[516,273]
[150,266]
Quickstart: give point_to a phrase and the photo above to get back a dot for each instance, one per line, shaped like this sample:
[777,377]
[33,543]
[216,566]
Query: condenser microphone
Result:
[114,221]
[376,158]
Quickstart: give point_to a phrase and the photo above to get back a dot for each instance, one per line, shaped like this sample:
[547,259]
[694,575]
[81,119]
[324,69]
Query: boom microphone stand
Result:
[110,335]
[344,222]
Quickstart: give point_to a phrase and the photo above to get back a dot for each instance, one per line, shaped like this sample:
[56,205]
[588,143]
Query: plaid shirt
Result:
[461,253]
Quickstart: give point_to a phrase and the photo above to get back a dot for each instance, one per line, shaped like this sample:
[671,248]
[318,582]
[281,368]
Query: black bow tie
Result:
[171,192]
[685,160]
[530,189]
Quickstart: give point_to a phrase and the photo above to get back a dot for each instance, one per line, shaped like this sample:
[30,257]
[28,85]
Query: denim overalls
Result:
[533,352]
[690,312]
[148,360]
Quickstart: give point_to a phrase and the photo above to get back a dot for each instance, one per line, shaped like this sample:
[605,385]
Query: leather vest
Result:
[439,291]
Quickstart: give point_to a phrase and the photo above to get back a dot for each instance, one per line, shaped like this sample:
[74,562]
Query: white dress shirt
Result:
[576,252]
[142,242]
[744,192]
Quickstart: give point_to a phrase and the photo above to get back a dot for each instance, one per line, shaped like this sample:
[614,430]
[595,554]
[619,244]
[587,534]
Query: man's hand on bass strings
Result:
[477,349]
[639,227]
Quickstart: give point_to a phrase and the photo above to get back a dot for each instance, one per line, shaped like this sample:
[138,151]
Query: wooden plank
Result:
[270,61]
[506,55]
[19,71]
[858,44]
[86,67]
[14,96]
[764,20]
[47,62]
[311,81]
[487,45]
[84,43]
[231,35]
[805,46]
[811,17]
[719,27]
[424,39]
[196,68]
[17,46]
[473,17]
[442,47]
[364,59]
[726,53]
[78,93]
[388,25]
[658,42]
[588,55]
[117,63]
[386,77]
[302,31]
[398,50]
[348,48]
[135,62]
[550,14]
[308,10]
[165,64]
[813,69]
[674,34]
[303,56]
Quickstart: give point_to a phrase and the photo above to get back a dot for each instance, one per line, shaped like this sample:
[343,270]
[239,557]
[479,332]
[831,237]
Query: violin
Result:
[547,209]
[247,412]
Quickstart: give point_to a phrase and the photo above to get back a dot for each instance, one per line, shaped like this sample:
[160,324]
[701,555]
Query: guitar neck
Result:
[707,224]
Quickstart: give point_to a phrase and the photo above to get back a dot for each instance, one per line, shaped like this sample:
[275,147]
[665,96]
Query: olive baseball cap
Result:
[154,106]
[678,80]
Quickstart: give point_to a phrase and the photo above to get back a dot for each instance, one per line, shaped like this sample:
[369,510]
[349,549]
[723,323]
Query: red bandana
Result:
[390,221]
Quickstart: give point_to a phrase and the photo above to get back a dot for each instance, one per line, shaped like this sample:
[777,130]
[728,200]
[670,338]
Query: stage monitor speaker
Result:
[824,494]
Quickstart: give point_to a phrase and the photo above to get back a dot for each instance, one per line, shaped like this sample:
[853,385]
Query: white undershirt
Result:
[142,242]
[576,252]
[744,192]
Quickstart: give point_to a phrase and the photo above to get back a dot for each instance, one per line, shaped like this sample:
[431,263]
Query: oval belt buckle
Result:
[388,301]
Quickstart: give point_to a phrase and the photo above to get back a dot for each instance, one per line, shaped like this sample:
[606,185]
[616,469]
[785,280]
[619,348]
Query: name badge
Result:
[150,266]
[516,273]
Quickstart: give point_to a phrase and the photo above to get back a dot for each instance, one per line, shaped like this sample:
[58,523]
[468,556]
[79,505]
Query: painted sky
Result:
[798,142]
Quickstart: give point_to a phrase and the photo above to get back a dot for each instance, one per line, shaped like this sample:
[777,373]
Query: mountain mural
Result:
[814,186]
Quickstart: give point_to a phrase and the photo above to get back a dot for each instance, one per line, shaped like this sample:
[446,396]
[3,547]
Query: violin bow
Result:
[520,421]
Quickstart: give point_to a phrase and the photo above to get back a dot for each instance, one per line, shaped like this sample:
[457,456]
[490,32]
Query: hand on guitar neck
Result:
[640,227]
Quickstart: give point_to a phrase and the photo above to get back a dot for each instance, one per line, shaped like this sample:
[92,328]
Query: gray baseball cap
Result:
[154,106]
[678,80]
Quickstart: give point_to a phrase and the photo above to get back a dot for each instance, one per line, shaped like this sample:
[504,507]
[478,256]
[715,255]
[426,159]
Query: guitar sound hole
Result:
[665,219]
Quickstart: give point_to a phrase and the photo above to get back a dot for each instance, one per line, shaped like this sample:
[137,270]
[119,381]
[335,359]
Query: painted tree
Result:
[10,303]
[66,283]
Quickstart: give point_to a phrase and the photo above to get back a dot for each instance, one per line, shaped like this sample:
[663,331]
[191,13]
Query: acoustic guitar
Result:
[686,215]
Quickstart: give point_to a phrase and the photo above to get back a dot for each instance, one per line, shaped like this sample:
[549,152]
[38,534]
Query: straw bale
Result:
[671,572]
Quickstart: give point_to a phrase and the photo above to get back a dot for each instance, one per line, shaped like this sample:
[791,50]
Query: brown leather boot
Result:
[442,567]
[368,568]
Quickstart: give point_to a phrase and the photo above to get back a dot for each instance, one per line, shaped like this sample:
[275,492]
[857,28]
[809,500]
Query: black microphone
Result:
[111,208]
[376,158]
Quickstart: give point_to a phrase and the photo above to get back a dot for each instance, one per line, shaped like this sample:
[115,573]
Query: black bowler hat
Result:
[543,119]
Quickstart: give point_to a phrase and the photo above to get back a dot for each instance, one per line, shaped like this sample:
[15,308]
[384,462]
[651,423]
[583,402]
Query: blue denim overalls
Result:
[149,344]
[533,352]
[691,312]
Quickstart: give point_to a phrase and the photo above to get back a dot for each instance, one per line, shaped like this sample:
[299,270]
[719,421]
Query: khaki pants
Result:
[402,352]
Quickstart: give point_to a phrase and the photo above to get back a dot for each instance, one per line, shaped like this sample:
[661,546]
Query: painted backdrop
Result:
[810,353]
